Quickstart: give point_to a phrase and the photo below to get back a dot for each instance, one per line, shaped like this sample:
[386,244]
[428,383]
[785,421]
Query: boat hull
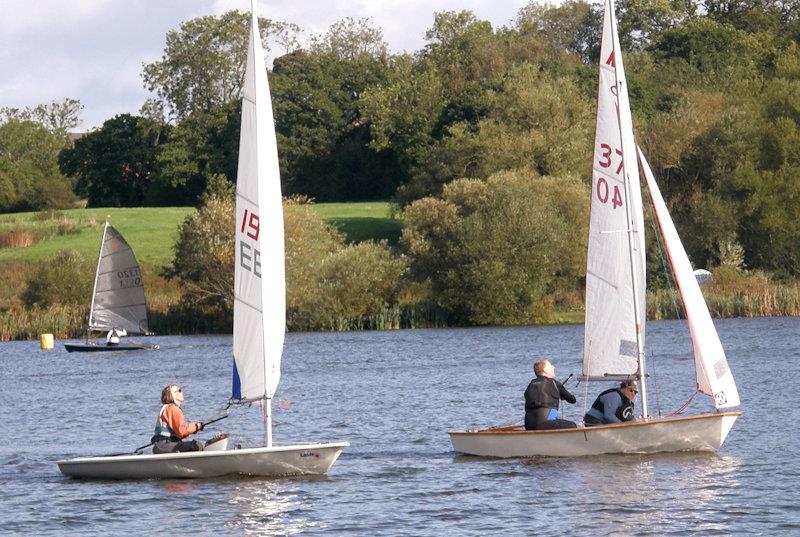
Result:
[276,461]
[91,347]
[705,432]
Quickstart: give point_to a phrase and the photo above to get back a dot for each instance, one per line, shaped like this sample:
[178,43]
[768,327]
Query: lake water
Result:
[393,395]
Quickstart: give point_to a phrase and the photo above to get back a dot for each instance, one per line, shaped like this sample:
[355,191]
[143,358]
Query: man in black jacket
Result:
[542,398]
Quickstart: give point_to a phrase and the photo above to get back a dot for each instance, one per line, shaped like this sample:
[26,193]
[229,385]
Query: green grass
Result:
[361,221]
[151,232]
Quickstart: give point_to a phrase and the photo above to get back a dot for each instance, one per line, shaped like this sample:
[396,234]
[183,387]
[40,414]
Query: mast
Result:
[641,375]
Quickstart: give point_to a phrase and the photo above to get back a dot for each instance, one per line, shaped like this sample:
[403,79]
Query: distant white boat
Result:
[118,301]
[259,323]
[615,298]
[702,276]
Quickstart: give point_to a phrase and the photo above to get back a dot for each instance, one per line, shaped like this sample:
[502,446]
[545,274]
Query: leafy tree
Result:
[29,175]
[203,63]
[57,117]
[203,145]
[573,26]
[491,250]
[114,165]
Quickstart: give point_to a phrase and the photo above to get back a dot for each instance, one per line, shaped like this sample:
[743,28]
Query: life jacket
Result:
[540,394]
[623,413]
[162,430]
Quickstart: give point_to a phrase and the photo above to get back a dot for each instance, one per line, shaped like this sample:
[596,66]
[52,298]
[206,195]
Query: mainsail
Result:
[614,328]
[118,296]
[259,312]
[714,377]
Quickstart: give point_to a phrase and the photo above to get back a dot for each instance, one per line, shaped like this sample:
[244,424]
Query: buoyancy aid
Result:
[162,430]
[623,413]
[542,392]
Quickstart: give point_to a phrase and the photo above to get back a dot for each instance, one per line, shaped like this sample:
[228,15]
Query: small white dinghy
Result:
[615,298]
[259,317]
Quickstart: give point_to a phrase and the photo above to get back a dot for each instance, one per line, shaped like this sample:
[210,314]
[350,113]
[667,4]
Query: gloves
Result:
[200,425]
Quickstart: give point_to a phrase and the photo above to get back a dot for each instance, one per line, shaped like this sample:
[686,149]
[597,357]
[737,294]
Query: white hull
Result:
[705,432]
[276,461]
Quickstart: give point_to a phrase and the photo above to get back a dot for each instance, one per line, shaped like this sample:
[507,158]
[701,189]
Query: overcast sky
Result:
[93,50]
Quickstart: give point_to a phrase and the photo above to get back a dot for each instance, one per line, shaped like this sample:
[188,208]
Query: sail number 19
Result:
[250,258]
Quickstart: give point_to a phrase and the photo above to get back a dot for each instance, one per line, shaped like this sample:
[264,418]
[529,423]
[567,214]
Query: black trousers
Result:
[536,420]
[167,446]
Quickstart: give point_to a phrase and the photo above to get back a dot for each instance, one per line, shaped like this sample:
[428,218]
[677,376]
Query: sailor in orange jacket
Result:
[171,427]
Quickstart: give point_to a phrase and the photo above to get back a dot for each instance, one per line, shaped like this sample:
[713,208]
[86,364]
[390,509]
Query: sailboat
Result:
[259,316]
[118,301]
[614,330]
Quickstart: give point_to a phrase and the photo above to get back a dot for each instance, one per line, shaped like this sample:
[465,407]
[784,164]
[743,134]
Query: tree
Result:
[573,26]
[114,165]
[491,250]
[203,63]
[203,145]
[29,175]
[57,117]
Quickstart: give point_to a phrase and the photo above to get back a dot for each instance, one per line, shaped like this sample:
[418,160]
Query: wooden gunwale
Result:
[515,429]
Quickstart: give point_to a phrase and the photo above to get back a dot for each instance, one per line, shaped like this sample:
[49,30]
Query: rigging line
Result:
[655,384]
[664,264]
[685,405]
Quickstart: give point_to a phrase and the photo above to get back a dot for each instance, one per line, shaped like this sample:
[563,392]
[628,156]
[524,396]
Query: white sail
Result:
[118,296]
[714,377]
[259,315]
[610,345]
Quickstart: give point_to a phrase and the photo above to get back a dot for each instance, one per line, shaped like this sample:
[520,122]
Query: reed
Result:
[18,237]
[733,294]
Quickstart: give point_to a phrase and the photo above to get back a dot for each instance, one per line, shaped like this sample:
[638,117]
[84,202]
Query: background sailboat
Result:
[259,314]
[118,301]
[615,296]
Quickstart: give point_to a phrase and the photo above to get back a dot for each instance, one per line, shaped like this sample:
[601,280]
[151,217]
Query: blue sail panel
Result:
[236,390]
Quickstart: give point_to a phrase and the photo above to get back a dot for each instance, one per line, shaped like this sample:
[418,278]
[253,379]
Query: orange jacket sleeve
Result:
[173,417]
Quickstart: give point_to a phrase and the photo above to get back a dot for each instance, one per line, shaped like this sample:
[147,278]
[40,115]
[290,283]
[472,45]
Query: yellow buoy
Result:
[46,341]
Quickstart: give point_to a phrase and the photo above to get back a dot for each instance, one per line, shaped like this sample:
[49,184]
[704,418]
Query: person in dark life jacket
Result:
[171,427]
[613,406]
[542,397]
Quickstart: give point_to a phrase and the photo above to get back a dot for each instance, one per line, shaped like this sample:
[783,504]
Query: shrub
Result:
[65,279]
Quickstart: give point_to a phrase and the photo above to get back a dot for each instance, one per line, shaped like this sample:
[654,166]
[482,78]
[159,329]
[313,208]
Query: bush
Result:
[65,279]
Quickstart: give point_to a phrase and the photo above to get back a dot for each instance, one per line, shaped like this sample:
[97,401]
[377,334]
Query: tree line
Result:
[483,138]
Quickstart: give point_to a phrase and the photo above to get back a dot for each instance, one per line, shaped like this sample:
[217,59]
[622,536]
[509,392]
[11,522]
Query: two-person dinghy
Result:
[118,302]
[615,299]
[259,316]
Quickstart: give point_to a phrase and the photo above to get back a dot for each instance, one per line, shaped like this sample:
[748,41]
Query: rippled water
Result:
[393,395]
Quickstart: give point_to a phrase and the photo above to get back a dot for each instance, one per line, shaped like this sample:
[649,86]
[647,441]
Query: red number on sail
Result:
[621,162]
[251,224]
[616,200]
[605,161]
[602,190]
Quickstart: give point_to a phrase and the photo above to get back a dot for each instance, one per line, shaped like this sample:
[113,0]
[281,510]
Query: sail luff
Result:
[633,199]
[611,345]
[714,377]
[260,291]
[96,275]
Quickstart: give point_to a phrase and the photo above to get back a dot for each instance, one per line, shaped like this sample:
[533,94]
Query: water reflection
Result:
[268,508]
[634,493]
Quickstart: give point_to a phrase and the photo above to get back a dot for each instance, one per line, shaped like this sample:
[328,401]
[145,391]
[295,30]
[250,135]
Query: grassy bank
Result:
[29,239]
